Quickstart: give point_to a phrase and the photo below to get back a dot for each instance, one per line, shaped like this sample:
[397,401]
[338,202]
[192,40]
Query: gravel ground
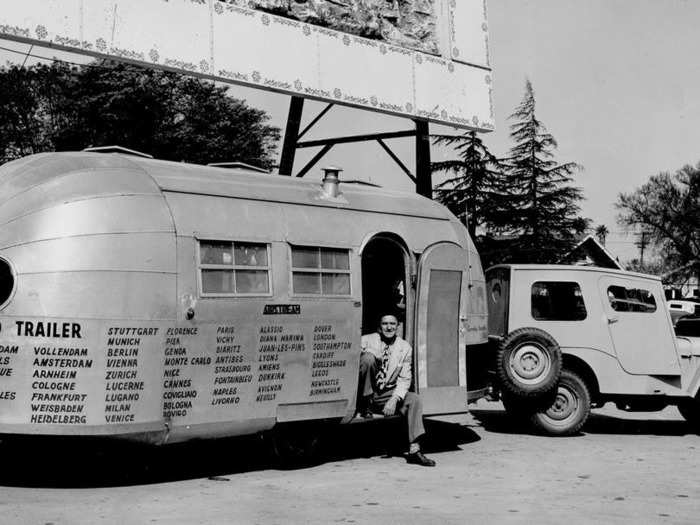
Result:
[624,468]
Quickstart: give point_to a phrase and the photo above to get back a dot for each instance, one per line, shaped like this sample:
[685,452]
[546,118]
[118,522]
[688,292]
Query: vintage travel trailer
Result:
[161,301]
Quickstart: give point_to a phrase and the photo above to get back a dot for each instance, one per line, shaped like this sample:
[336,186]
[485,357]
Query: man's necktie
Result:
[381,374]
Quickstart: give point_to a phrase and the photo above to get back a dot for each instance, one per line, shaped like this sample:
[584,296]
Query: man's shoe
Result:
[417,458]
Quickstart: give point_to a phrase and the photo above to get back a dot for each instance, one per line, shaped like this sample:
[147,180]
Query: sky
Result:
[616,83]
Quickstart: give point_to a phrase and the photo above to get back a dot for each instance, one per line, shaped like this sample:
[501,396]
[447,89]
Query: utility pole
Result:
[642,244]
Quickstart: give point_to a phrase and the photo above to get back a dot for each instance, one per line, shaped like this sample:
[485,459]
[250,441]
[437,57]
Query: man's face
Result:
[387,326]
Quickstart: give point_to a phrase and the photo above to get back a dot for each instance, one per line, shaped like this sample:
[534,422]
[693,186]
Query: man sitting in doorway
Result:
[385,376]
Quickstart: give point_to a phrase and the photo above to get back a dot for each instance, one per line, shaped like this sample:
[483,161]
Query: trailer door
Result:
[441,376]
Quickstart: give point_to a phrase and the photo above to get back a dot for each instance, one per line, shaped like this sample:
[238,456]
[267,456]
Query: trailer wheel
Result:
[295,446]
[690,410]
[570,409]
[528,362]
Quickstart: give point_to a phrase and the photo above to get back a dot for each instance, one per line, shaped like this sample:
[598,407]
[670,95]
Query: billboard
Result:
[416,58]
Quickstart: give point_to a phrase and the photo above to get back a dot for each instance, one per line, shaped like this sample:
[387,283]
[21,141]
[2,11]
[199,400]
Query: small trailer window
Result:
[631,299]
[320,271]
[234,268]
[557,301]
[7,281]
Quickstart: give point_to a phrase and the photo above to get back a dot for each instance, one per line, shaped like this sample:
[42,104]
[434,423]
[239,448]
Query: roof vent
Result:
[118,149]
[239,165]
[330,185]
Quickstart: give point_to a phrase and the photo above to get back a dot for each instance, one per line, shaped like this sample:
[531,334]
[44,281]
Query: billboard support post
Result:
[291,135]
[424,179]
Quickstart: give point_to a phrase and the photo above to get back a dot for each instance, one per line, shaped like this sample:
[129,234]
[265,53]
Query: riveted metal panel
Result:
[95,295]
[242,219]
[21,175]
[118,214]
[74,186]
[133,252]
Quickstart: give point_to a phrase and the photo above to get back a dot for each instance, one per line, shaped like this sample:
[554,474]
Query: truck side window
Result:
[557,301]
[234,268]
[320,271]
[631,299]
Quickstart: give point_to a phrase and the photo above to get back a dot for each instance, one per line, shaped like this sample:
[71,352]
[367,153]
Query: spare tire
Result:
[528,363]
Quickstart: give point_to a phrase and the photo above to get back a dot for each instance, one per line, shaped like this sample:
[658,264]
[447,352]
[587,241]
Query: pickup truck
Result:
[569,338]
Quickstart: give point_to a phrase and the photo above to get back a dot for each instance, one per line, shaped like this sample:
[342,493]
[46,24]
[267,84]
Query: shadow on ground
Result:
[81,463]
[389,437]
[605,424]
[497,420]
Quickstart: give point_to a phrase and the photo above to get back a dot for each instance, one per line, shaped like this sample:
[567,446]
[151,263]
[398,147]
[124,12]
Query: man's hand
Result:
[390,407]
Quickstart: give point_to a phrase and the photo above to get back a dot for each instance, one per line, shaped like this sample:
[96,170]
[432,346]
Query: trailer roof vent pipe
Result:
[331,182]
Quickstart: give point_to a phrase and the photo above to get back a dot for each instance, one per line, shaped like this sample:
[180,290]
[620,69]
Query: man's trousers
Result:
[368,392]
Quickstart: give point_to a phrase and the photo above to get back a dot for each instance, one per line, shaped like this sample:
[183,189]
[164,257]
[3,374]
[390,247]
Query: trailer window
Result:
[320,271]
[234,268]
[7,281]
[557,301]
[631,299]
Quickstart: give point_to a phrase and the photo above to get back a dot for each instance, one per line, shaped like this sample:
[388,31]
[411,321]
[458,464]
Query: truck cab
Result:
[569,338]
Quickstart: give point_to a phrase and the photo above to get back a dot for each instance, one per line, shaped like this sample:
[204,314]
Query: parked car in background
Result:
[681,308]
[688,327]
[570,338]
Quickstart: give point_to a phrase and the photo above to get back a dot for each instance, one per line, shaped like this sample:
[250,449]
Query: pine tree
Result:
[542,210]
[470,192]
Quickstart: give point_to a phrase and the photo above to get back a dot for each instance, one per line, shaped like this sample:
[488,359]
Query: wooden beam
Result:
[313,161]
[357,138]
[291,135]
[396,159]
[424,179]
[318,117]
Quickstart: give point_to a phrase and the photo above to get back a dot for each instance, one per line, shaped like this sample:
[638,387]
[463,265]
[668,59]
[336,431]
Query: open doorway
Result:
[385,283]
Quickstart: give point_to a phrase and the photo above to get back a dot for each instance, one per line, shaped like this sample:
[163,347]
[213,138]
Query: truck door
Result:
[441,308]
[639,327]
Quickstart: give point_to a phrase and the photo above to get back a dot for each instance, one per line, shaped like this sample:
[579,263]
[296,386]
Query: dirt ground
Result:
[624,468]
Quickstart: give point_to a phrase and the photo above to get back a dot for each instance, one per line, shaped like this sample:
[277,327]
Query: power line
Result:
[51,59]
[27,55]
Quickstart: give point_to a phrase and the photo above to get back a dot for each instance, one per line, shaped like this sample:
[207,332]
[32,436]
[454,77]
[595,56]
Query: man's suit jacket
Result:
[400,361]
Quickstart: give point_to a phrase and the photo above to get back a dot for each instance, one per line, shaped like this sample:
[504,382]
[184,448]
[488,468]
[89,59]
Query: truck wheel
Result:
[570,409]
[528,362]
